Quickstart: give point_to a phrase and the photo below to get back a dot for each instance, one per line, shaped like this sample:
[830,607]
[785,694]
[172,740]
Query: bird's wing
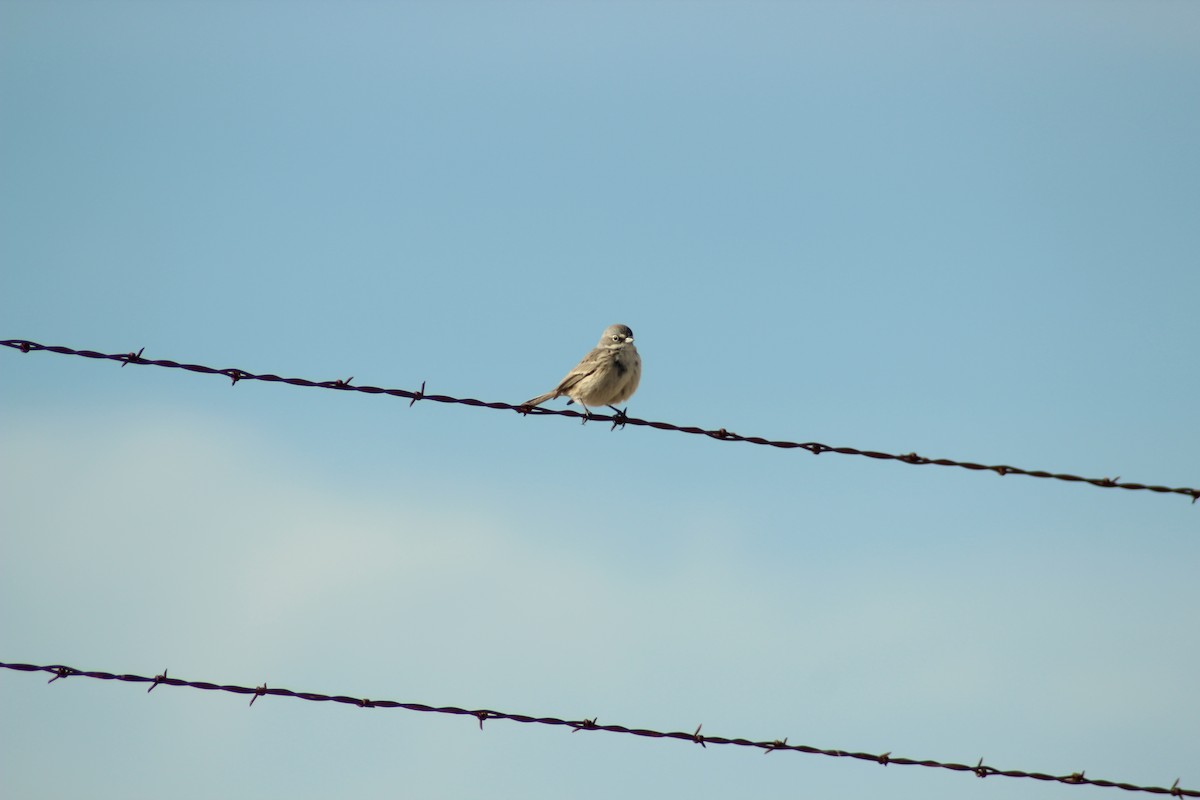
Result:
[590,363]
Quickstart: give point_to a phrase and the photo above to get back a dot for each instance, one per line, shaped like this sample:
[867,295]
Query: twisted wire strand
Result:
[619,419]
[696,737]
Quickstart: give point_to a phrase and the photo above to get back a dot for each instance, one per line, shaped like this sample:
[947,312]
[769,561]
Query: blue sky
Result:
[968,230]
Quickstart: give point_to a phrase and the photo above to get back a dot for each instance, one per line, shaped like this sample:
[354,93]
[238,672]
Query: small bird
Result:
[607,375]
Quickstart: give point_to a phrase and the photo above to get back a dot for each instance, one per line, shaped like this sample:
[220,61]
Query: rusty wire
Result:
[619,419]
[979,769]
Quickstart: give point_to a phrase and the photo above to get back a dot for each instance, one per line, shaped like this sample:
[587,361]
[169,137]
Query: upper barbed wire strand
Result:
[722,434]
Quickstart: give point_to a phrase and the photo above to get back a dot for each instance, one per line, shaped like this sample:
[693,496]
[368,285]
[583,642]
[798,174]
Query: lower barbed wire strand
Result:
[979,769]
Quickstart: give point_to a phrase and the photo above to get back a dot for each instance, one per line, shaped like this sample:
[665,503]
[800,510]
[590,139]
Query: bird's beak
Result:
[628,340]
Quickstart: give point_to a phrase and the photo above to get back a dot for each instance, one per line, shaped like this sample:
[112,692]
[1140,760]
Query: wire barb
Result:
[778,744]
[721,434]
[132,357]
[159,679]
[60,672]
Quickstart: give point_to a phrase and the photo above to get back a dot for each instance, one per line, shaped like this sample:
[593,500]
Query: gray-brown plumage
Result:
[609,374]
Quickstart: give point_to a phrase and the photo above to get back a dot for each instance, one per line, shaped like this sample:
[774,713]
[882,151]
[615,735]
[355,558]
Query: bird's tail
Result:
[541,398]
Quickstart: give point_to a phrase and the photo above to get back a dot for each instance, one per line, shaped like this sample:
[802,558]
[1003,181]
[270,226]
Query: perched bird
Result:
[607,375]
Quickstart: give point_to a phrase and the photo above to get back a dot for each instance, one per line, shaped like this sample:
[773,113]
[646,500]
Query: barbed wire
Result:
[696,737]
[619,419]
